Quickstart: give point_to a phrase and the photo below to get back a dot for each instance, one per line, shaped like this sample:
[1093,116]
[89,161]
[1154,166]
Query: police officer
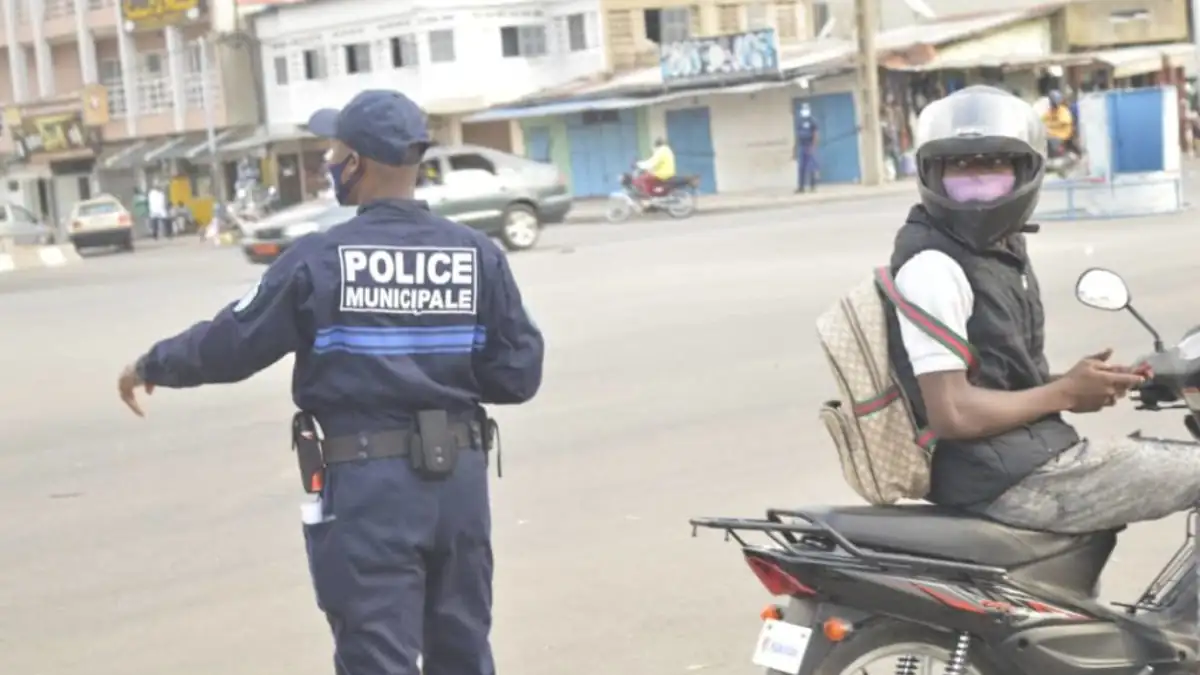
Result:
[402,323]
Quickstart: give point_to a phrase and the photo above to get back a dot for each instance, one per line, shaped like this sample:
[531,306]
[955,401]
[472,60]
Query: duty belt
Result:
[388,444]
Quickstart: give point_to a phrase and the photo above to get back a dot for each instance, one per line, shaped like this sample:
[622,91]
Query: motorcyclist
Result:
[657,169]
[983,385]
[1060,126]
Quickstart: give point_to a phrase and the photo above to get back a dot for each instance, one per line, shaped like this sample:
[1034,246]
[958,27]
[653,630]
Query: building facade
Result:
[636,28]
[452,58]
[104,95]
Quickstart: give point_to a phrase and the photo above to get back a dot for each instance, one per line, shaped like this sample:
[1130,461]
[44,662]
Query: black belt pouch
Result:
[435,449]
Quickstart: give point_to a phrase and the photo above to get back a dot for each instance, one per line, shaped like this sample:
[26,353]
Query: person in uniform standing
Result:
[403,324]
[806,149]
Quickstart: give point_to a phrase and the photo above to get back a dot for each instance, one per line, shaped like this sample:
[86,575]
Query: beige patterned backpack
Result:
[885,456]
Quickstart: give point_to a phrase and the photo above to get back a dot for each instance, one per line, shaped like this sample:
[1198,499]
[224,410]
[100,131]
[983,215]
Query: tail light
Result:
[124,219]
[775,580]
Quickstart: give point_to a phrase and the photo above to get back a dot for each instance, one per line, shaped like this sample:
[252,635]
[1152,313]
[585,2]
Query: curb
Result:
[764,204]
[17,258]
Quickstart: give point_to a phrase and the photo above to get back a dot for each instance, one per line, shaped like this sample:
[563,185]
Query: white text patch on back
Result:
[409,279]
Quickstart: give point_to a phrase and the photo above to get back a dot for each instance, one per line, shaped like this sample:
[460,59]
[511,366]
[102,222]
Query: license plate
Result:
[781,646]
[265,249]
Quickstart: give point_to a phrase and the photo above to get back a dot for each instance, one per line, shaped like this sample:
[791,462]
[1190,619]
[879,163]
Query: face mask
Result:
[980,188]
[342,185]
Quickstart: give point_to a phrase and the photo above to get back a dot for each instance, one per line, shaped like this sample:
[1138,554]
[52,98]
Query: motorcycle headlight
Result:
[300,229]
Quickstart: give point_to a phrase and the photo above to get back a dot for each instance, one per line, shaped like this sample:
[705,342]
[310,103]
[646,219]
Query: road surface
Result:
[682,379]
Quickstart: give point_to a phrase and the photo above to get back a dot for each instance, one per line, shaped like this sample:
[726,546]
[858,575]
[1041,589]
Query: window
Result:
[314,64]
[111,78]
[758,16]
[527,41]
[471,161]
[665,26]
[281,70]
[820,14]
[577,37]
[430,174]
[601,116]
[95,208]
[85,187]
[358,58]
[404,51]
[151,64]
[441,46]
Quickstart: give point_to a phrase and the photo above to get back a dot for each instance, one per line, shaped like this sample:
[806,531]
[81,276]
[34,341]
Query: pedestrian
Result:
[160,217]
[403,324]
[807,135]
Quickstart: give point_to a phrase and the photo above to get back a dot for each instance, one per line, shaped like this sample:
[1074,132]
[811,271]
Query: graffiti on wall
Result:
[720,58]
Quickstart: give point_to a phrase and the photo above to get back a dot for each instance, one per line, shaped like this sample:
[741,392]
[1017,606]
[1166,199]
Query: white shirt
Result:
[932,281]
[157,202]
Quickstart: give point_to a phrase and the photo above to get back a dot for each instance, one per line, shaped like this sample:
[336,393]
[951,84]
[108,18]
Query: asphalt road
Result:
[682,380]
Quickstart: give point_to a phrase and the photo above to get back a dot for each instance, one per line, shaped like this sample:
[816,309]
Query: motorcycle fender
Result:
[817,614]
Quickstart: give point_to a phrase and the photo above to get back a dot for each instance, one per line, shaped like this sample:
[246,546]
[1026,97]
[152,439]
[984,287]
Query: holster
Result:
[435,450]
[306,442]
[489,432]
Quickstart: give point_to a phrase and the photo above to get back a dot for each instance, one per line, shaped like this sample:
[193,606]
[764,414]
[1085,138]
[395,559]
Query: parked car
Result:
[21,227]
[101,221]
[506,196]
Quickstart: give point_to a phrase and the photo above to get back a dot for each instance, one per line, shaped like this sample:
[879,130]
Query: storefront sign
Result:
[52,133]
[139,15]
[741,56]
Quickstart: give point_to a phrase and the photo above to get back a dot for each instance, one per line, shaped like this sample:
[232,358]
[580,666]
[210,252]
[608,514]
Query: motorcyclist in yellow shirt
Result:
[1060,126]
[659,168]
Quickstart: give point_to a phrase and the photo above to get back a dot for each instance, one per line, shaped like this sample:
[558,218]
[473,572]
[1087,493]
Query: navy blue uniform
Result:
[393,312]
[806,152]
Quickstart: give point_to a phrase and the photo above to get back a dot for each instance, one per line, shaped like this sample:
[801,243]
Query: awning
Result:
[114,154]
[177,148]
[221,138]
[1131,61]
[571,107]
[137,155]
[994,61]
[265,136]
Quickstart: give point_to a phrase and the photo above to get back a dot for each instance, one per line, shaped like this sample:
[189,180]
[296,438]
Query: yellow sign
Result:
[52,133]
[95,105]
[138,15]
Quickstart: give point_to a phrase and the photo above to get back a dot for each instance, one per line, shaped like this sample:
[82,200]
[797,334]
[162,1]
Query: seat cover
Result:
[934,531]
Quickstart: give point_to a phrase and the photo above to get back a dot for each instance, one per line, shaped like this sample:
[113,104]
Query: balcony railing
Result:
[58,9]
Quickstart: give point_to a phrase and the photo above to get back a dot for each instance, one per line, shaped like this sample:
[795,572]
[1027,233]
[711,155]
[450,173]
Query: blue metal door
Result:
[1135,130]
[837,142]
[537,144]
[603,145]
[690,134]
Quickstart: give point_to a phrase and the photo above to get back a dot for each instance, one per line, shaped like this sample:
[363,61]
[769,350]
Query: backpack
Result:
[885,456]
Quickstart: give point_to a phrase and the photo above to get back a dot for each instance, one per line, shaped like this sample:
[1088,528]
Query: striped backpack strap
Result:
[932,327]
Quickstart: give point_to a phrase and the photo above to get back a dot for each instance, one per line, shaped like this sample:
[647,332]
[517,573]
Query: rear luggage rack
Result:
[1162,591]
[807,539]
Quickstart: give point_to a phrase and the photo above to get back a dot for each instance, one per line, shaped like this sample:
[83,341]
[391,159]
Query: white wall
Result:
[752,134]
[479,76]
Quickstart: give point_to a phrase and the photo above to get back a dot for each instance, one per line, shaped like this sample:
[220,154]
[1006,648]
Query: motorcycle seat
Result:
[939,532]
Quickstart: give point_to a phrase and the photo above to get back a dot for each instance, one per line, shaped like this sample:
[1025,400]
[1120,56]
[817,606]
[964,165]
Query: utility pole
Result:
[214,164]
[866,22]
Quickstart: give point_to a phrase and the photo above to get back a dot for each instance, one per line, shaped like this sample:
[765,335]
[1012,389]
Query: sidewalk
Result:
[587,211]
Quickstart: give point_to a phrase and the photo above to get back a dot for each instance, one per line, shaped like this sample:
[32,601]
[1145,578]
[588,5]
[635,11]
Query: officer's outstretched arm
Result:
[245,337]
[509,367]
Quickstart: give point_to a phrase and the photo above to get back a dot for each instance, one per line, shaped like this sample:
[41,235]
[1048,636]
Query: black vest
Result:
[1007,331]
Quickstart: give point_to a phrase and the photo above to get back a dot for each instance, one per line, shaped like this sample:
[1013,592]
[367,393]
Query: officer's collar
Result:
[405,205]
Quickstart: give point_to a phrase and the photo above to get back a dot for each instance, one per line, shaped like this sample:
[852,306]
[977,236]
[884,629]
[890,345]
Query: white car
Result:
[101,221]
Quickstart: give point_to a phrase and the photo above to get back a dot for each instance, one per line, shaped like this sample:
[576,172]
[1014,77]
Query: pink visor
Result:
[979,188]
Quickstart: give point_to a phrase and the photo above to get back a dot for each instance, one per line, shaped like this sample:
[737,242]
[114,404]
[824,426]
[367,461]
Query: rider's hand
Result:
[1093,384]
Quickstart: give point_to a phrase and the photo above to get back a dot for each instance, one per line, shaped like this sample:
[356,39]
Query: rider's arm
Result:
[956,409]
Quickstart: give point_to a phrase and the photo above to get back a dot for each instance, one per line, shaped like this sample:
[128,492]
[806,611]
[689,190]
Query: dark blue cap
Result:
[378,124]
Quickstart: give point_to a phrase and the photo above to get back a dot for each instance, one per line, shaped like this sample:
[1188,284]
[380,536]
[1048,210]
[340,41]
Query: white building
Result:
[452,57]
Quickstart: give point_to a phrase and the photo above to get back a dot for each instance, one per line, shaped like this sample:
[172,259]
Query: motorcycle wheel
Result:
[885,642]
[681,204]
[618,210]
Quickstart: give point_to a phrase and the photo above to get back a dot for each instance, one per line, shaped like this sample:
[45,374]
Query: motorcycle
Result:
[1061,161]
[677,197]
[915,585]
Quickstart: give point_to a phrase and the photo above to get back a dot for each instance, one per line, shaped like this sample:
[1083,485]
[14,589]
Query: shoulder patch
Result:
[247,299]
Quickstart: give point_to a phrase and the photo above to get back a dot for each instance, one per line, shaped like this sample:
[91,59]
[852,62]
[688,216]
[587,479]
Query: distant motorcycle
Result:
[639,193]
[1061,161]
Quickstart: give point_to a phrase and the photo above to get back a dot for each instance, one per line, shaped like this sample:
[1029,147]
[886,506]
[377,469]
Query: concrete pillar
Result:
[18,69]
[517,135]
[175,66]
[129,73]
[41,50]
[87,45]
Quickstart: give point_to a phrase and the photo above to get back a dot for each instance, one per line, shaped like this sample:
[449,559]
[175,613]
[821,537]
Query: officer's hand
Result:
[127,385]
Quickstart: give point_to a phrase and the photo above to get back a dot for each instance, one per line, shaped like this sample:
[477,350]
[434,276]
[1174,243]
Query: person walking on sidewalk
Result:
[806,149]
[160,217]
